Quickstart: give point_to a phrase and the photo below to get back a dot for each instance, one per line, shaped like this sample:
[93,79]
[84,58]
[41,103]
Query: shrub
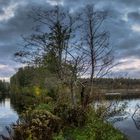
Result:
[49,107]
[37,125]
[73,116]
[94,129]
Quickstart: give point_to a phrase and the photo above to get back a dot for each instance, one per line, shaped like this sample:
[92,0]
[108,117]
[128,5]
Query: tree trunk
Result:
[72,95]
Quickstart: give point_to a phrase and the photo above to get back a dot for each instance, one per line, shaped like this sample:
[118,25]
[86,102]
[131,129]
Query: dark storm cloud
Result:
[134,16]
[4,3]
[122,15]
[12,29]
[120,29]
[130,3]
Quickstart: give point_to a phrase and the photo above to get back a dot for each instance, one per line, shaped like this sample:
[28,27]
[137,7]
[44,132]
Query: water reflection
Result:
[128,120]
[130,125]
[7,115]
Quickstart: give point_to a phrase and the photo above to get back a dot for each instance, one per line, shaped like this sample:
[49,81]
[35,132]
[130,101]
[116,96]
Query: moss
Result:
[49,107]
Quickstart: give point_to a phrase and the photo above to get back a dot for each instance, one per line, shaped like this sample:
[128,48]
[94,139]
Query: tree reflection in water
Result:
[136,117]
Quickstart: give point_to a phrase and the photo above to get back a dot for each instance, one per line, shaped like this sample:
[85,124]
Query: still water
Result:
[7,115]
[130,126]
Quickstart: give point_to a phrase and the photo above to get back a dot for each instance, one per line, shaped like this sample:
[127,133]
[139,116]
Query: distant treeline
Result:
[115,83]
[27,77]
[30,76]
[4,87]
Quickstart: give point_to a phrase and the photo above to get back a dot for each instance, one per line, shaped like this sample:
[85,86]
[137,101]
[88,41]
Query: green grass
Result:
[95,129]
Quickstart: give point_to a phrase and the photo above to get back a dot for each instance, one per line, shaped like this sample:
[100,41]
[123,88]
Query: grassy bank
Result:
[42,119]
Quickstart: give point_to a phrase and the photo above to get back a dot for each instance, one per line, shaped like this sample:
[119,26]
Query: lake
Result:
[126,121]
[129,126]
[7,115]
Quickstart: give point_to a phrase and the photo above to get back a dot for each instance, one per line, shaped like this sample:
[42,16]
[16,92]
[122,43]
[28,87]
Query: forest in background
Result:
[4,87]
[30,76]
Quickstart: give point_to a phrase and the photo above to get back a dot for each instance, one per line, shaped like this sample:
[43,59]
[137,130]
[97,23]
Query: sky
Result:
[123,23]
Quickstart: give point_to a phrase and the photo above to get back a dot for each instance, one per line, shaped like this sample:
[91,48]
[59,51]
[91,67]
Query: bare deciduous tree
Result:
[96,44]
[58,45]
[52,44]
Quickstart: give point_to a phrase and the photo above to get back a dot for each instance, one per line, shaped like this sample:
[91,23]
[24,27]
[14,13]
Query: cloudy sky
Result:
[123,23]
